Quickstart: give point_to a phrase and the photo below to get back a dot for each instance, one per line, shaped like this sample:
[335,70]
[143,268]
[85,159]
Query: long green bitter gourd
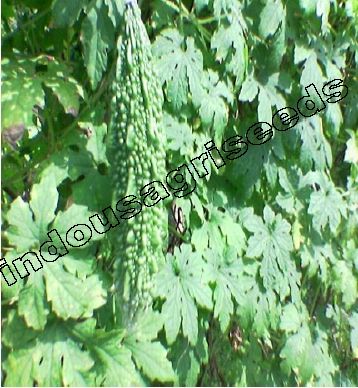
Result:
[137,147]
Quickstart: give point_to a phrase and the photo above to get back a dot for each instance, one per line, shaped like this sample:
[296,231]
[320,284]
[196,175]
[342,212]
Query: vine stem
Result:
[170,5]
[211,19]
[183,11]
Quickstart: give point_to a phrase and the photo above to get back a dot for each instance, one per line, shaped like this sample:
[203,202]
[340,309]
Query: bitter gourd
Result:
[137,149]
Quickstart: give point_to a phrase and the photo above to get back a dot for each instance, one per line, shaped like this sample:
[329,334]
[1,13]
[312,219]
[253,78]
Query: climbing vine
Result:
[257,283]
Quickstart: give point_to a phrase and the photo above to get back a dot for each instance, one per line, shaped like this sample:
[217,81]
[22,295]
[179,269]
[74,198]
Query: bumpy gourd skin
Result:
[136,145]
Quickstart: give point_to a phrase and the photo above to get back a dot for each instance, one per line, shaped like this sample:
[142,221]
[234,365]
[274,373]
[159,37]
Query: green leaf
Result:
[62,290]
[15,333]
[271,17]
[308,6]
[10,294]
[98,37]
[179,135]
[334,118]
[96,142]
[26,76]
[151,357]
[79,163]
[25,233]
[345,283]
[299,353]
[290,320]
[115,10]
[264,111]
[233,232]
[230,45]
[80,262]
[317,257]
[210,233]
[271,241]
[224,6]
[322,10]
[312,73]
[301,53]
[59,360]
[147,326]
[180,69]
[51,358]
[353,321]
[351,154]
[213,103]
[187,360]
[61,286]
[21,103]
[65,13]
[114,365]
[200,4]
[225,272]
[249,90]
[296,349]
[22,232]
[32,305]
[315,148]
[19,368]
[43,203]
[182,282]
[326,204]
[324,366]
[99,199]
[292,198]
[259,310]
[65,221]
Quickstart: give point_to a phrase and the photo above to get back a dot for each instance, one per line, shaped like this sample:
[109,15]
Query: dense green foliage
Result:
[137,156]
[263,288]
